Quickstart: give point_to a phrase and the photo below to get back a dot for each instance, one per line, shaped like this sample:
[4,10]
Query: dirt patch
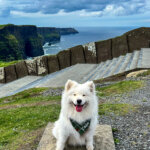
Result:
[30,105]
[32,145]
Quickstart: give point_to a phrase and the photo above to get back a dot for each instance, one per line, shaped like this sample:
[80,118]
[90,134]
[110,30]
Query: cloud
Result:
[79,7]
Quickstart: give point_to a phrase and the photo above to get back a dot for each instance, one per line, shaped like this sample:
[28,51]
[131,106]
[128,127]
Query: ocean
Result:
[85,35]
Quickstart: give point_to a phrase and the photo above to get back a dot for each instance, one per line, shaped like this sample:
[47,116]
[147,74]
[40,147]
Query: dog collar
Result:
[80,128]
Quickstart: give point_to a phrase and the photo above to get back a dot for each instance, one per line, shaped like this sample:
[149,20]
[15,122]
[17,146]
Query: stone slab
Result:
[2,75]
[21,69]
[77,55]
[103,139]
[103,50]
[138,38]
[64,59]
[90,56]
[42,66]
[119,46]
[31,66]
[10,73]
[53,64]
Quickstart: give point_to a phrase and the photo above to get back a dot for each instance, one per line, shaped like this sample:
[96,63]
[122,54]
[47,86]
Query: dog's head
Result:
[79,96]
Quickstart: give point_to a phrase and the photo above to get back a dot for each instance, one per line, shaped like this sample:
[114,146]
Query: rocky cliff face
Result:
[19,42]
[48,34]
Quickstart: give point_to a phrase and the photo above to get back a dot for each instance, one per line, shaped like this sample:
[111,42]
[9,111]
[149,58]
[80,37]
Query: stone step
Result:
[140,58]
[10,87]
[77,73]
[129,62]
[103,139]
[124,63]
[135,59]
[114,67]
[92,73]
[108,67]
[145,62]
[101,70]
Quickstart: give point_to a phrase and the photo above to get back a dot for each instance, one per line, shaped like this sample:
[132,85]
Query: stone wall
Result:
[94,52]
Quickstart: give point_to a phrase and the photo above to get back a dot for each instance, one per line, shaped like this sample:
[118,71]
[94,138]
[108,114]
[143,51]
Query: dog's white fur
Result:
[63,129]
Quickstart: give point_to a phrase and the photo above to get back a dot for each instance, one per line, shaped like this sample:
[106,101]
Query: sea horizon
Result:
[86,35]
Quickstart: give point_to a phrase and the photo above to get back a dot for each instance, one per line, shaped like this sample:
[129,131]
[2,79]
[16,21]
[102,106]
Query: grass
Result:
[27,97]
[17,123]
[117,109]
[119,88]
[5,64]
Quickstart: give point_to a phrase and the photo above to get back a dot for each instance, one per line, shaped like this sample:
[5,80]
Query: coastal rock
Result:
[42,66]
[138,38]
[10,73]
[89,56]
[103,139]
[53,64]
[103,50]
[64,59]
[2,75]
[119,46]
[77,55]
[31,66]
[21,69]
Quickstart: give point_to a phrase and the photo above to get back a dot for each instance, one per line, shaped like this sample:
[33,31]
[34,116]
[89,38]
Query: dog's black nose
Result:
[79,101]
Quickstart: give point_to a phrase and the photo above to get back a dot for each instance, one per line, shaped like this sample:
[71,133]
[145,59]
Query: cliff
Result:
[48,34]
[51,34]
[65,31]
[19,42]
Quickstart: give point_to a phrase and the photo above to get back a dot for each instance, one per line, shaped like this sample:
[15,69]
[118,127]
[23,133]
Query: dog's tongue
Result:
[79,108]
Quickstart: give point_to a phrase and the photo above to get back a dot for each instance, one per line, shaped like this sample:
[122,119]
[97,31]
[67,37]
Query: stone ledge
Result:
[103,139]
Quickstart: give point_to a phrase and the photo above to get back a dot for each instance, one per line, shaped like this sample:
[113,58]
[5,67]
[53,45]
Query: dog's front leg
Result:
[89,142]
[61,141]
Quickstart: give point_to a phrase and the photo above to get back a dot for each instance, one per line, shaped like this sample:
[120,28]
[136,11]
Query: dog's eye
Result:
[74,94]
[83,95]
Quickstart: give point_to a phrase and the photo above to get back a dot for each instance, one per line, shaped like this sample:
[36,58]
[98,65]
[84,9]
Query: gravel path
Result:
[132,130]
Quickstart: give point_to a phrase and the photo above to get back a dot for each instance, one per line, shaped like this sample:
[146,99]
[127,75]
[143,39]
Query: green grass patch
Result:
[119,88]
[144,74]
[15,123]
[117,109]
[116,141]
[5,64]
[27,97]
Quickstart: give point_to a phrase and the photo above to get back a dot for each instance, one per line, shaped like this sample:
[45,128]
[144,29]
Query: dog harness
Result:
[80,128]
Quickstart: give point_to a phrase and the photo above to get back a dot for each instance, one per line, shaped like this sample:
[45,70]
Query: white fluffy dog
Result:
[78,116]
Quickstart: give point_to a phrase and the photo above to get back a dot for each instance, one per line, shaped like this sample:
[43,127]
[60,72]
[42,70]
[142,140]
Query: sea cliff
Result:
[20,42]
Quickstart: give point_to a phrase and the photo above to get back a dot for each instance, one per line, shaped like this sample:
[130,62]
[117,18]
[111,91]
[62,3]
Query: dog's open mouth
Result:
[79,108]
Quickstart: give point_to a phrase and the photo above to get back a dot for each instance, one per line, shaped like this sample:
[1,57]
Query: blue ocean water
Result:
[85,35]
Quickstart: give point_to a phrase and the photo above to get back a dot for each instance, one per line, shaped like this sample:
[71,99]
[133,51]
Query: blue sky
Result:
[71,13]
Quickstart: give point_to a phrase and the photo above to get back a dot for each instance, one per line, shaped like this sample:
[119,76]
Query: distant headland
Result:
[22,41]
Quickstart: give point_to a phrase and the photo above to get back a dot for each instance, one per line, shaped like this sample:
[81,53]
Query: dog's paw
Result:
[90,147]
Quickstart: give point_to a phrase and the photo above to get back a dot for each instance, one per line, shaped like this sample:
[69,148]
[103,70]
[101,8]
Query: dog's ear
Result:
[69,85]
[91,86]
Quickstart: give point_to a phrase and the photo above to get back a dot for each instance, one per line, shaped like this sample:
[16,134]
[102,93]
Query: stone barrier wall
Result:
[94,52]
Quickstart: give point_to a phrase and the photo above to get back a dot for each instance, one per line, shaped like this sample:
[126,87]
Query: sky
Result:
[76,13]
